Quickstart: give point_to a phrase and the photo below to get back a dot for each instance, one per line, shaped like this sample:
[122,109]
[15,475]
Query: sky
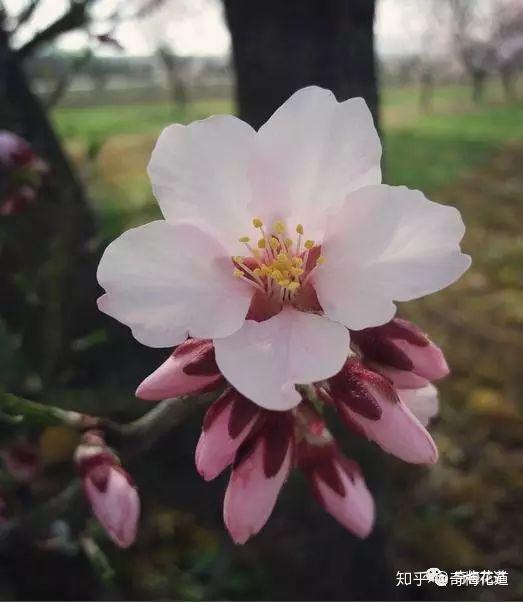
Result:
[197,27]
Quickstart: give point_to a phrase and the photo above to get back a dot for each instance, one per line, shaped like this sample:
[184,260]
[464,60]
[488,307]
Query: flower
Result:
[109,489]
[275,243]
[21,460]
[263,446]
[21,170]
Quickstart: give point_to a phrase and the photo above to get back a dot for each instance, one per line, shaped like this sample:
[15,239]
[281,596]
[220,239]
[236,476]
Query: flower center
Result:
[276,264]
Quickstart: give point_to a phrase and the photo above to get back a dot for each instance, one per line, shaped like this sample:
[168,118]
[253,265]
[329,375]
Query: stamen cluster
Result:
[278,265]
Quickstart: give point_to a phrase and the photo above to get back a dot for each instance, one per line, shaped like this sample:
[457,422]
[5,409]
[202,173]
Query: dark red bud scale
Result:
[202,361]
[278,432]
[242,412]
[351,387]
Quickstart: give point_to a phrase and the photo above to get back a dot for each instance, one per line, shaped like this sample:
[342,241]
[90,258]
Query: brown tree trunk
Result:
[48,244]
[281,46]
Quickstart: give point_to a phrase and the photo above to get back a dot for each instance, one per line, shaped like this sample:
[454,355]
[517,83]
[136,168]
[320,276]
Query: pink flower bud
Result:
[260,470]
[338,485]
[226,425]
[402,352]
[368,403]
[190,369]
[21,172]
[21,460]
[110,490]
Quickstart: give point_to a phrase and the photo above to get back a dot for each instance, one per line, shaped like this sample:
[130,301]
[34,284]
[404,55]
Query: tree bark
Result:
[279,47]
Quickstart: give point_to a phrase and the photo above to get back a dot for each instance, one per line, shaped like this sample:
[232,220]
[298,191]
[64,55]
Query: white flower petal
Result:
[387,244]
[169,281]
[423,402]
[313,152]
[199,175]
[265,360]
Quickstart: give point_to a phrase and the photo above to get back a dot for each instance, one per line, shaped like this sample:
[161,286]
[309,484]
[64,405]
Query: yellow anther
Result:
[257,223]
[274,242]
[262,243]
[297,271]
[282,257]
[284,283]
[237,259]
[257,272]
[292,286]
[237,273]
[297,261]
[288,242]
[279,227]
[299,229]
[244,239]
[276,275]
[309,244]
[321,260]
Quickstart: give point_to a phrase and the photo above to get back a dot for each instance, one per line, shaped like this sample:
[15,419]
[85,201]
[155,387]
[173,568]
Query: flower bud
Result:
[369,404]
[259,472]
[400,351]
[336,481]
[226,425]
[21,460]
[190,369]
[109,489]
[21,173]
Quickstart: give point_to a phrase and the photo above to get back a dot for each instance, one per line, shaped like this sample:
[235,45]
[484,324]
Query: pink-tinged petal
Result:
[394,427]
[256,480]
[423,403]
[166,282]
[398,431]
[386,244]
[171,378]
[265,360]
[427,361]
[200,175]
[227,423]
[312,152]
[352,505]
[115,503]
[401,379]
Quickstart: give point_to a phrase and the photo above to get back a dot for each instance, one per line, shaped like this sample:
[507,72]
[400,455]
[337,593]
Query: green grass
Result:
[95,124]
[425,151]
[434,150]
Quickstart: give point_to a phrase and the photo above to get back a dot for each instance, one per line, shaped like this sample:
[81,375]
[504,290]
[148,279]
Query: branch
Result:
[24,412]
[135,437]
[25,15]
[75,17]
